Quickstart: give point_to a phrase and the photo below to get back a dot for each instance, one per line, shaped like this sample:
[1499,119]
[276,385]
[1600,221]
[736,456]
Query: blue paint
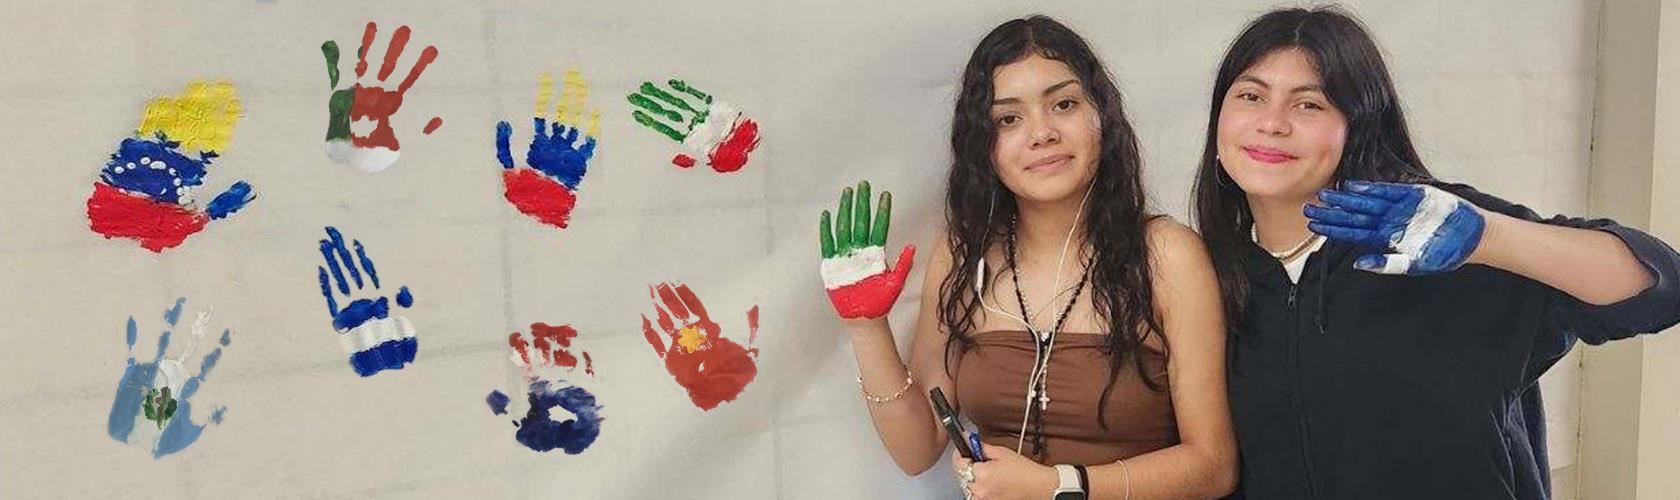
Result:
[230,201]
[181,431]
[361,311]
[539,432]
[498,402]
[1377,215]
[361,255]
[132,168]
[555,151]
[389,355]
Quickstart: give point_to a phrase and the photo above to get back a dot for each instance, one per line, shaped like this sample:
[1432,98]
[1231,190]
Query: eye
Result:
[1248,96]
[1066,104]
[1310,106]
[1006,120]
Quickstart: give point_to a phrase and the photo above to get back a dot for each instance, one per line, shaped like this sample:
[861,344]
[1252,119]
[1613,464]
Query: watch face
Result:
[1070,495]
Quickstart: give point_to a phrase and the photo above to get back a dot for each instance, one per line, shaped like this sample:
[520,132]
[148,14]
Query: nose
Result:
[1274,122]
[1045,134]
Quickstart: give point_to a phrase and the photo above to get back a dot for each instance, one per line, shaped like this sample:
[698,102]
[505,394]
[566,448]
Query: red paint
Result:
[731,155]
[538,196]
[551,345]
[682,160]
[715,372]
[874,296]
[156,225]
[433,125]
[378,104]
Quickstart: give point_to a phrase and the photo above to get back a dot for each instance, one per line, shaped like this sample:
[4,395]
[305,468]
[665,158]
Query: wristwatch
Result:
[1071,483]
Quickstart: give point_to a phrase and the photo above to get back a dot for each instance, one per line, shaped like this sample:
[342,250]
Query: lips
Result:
[1267,155]
[1049,162]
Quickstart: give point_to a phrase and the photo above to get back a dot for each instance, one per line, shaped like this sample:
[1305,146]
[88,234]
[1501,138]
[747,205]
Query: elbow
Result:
[914,465]
[1221,474]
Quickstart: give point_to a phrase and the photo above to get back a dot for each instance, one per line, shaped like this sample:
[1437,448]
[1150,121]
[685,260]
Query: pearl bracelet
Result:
[879,400]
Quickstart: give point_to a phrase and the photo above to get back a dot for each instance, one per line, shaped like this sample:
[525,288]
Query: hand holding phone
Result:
[969,445]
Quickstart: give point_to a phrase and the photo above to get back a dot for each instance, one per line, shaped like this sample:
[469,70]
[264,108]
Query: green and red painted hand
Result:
[705,126]
[854,265]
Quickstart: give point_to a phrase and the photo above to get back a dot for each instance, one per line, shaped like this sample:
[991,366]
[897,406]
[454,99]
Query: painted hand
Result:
[153,405]
[854,265]
[1005,475]
[704,126]
[544,427]
[374,340]
[146,190]
[359,132]
[713,369]
[1426,230]
[557,159]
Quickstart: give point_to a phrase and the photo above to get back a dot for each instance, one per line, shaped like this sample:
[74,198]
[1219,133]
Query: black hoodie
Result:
[1356,385]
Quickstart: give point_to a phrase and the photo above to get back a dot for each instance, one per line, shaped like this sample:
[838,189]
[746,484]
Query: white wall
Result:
[1499,95]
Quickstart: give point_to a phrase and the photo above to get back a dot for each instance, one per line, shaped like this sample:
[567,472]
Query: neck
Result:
[1042,228]
[1279,222]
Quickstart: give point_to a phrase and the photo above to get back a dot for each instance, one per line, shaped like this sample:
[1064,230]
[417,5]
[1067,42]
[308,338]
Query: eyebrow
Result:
[1311,87]
[1051,90]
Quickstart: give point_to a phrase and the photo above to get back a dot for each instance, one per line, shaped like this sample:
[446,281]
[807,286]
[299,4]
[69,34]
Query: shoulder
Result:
[1173,243]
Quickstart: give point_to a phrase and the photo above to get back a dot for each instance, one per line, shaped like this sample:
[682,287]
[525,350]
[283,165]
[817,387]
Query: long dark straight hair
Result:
[1121,290]
[1356,81]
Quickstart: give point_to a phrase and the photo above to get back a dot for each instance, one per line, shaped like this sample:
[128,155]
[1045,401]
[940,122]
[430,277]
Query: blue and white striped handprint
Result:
[374,339]
[1422,229]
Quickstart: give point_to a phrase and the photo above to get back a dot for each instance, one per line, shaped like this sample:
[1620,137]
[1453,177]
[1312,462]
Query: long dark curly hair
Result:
[1114,222]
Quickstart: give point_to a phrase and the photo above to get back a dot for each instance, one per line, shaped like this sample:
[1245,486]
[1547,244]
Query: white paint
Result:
[720,120]
[375,332]
[367,160]
[1431,212]
[844,270]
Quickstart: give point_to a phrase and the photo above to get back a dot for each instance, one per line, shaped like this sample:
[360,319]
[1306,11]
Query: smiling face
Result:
[1280,137]
[1048,132]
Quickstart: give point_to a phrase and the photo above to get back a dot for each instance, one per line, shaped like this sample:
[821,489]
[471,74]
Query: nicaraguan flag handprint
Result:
[375,340]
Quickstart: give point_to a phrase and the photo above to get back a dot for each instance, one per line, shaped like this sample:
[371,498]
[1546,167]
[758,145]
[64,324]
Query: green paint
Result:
[860,222]
[883,218]
[843,224]
[657,93]
[649,105]
[159,407]
[827,236]
[338,106]
[657,126]
[683,87]
[338,114]
[330,49]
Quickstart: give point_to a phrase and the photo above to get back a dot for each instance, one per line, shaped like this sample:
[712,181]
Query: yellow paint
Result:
[545,93]
[690,338]
[201,118]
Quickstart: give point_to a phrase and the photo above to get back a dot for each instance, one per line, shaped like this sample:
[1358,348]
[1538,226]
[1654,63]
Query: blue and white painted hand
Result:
[1423,229]
[137,414]
[374,340]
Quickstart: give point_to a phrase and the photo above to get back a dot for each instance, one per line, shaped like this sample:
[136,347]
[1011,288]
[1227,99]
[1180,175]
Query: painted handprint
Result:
[1424,229]
[546,188]
[146,190]
[374,339]
[359,132]
[854,265]
[713,369]
[542,359]
[153,407]
[705,126]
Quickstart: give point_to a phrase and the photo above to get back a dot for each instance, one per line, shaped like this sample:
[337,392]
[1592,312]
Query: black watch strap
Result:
[1084,482]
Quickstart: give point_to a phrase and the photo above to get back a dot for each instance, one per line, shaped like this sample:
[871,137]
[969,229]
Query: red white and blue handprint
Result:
[557,415]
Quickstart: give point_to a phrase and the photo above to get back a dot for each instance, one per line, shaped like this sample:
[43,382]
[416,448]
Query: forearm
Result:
[904,424]
[1593,266]
[1179,471]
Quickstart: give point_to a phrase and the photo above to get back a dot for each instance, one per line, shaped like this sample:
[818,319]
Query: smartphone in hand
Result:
[969,445]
